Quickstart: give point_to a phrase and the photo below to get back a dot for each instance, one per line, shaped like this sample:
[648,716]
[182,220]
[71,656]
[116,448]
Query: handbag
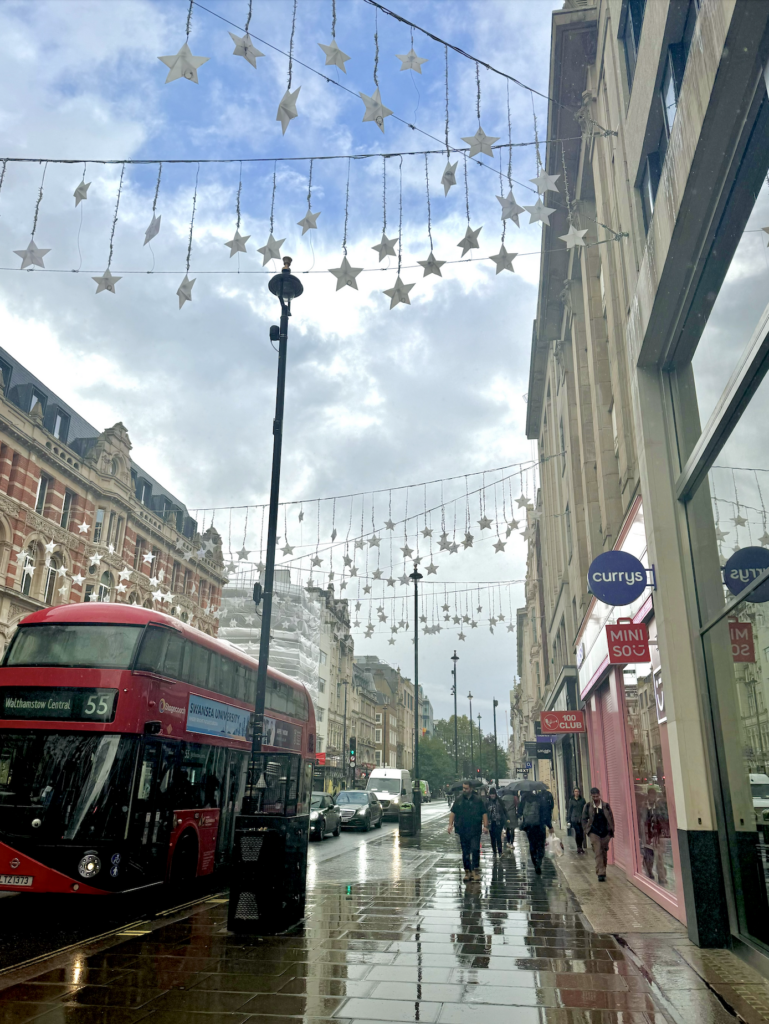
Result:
[554,847]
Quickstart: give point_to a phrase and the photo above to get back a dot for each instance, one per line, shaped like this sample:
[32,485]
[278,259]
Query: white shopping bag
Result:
[554,847]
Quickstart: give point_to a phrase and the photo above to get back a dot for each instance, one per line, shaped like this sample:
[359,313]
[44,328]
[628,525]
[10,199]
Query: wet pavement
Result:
[392,934]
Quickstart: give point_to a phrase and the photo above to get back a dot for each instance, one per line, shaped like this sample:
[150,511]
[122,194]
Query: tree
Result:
[444,731]
[435,764]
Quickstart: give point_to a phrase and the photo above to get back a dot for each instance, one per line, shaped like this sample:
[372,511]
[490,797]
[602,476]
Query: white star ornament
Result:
[539,212]
[237,244]
[309,222]
[345,275]
[399,293]
[386,247]
[504,259]
[271,249]
[545,182]
[470,241]
[81,192]
[375,109]
[573,237]
[183,65]
[78,579]
[334,56]
[83,527]
[410,61]
[287,108]
[449,176]
[184,291]
[510,209]
[481,142]
[431,265]
[32,256]
[244,47]
[152,230]
[106,283]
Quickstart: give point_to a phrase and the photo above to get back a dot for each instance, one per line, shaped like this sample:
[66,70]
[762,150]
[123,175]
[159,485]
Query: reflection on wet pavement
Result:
[398,938]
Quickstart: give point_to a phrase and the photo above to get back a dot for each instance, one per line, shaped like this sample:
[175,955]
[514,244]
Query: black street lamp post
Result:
[267,894]
[416,576]
[472,758]
[480,746]
[455,659]
[495,704]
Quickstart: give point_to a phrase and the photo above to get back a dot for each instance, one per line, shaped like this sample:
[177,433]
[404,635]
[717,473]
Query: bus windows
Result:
[172,662]
[227,676]
[286,700]
[153,650]
[240,681]
[76,645]
[196,665]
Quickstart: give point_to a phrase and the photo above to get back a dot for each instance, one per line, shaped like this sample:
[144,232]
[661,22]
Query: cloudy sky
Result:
[376,398]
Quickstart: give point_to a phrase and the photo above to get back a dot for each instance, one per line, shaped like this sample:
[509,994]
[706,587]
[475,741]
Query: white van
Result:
[392,787]
[759,790]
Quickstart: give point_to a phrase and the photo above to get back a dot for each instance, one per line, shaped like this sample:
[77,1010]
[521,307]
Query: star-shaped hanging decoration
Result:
[407,551]
[764,540]
[427,532]
[244,47]
[242,554]
[32,256]
[468,541]
[345,275]
[470,241]
[501,617]
[398,293]
[390,582]
[28,570]
[404,580]
[154,581]
[377,574]
[510,209]
[374,541]
[389,525]
[484,522]
[48,548]
[271,249]
[359,544]
[499,546]
[287,108]
[333,535]
[61,572]
[260,567]
[354,570]
[721,534]
[308,222]
[391,641]
[473,624]
[81,192]
[316,561]
[124,574]
[465,618]
[431,569]
[443,543]
[410,61]
[573,237]
[238,243]
[369,631]
[83,527]
[504,260]
[545,182]
[449,176]
[287,549]
[153,229]
[453,548]
[460,635]
[481,142]
[386,247]
[184,291]
[94,559]
[539,212]
[347,560]
[522,501]
[739,520]
[375,109]
[431,265]
[334,56]
[183,65]
[367,589]
[147,558]
[77,579]
[511,628]
[106,283]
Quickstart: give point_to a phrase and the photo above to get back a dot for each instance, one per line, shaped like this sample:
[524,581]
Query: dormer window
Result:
[37,399]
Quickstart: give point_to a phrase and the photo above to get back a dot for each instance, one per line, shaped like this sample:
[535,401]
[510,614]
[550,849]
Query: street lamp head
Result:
[285,285]
[416,575]
[455,657]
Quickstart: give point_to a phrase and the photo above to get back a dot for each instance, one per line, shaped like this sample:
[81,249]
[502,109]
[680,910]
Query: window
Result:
[27,569]
[675,65]
[138,553]
[602,284]
[74,645]
[567,520]
[562,441]
[323,658]
[154,562]
[42,492]
[110,527]
[615,434]
[377,757]
[320,713]
[98,525]
[377,718]
[321,685]
[66,509]
[60,425]
[377,736]
[105,587]
[37,399]
[650,182]
[50,580]
[630,33]
[118,541]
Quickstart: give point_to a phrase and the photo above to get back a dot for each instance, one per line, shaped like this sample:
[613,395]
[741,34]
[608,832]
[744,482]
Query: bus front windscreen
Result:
[65,786]
[74,645]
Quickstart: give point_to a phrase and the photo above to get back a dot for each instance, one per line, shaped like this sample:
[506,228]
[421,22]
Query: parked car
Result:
[325,816]
[391,786]
[426,794]
[360,809]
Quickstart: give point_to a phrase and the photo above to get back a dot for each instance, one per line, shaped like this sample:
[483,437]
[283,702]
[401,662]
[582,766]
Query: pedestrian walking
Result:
[535,814]
[574,817]
[468,816]
[598,823]
[656,829]
[510,803]
[496,814]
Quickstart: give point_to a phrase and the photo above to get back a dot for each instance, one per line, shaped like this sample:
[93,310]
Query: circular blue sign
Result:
[742,568]
[616,578]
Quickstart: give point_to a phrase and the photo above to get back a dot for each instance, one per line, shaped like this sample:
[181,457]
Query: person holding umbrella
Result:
[536,817]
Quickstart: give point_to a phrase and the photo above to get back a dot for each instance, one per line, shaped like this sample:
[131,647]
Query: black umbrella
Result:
[527,785]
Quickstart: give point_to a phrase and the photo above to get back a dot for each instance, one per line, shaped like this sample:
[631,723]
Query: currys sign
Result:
[745,566]
[616,578]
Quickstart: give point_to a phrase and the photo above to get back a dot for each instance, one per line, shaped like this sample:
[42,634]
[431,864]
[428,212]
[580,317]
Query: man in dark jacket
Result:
[535,815]
[598,823]
[574,817]
[468,816]
[497,816]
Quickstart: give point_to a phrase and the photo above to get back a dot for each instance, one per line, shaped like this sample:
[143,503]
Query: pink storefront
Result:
[628,742]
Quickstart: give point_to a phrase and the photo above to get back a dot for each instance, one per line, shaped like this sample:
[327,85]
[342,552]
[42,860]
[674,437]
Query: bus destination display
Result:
[63,704]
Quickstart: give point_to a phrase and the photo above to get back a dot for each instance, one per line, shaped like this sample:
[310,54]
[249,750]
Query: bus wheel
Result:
[184,866]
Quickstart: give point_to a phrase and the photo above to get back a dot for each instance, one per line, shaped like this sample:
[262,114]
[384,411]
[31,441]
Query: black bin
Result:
[407,821]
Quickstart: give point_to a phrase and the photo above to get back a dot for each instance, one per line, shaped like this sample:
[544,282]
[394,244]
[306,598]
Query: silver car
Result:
[360,809]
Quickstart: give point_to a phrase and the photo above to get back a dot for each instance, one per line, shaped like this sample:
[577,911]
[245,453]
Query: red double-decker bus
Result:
[125,742]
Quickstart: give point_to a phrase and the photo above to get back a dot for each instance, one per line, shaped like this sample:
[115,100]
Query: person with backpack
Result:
[598,823]
[574,818]
[496,814]
[510,803]
[536,817]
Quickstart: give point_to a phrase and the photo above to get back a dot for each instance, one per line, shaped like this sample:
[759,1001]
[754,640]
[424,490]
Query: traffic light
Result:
[478,772]
[353,748]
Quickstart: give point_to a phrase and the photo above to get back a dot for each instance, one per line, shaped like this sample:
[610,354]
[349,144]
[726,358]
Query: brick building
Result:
[79,520]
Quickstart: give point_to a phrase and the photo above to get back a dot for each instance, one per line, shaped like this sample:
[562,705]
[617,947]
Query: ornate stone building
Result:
[80,521]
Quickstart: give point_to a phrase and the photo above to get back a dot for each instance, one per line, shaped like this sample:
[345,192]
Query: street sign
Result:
[743,567]
[617,578]
[528,766]
[628,642]
[561,723]
[743,644]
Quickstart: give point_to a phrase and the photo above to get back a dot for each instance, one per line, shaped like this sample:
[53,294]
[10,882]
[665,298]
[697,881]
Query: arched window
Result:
[133,597]
[52,579]
[28,568]
[148,603]
[106,584]
[115,467]
[184,616]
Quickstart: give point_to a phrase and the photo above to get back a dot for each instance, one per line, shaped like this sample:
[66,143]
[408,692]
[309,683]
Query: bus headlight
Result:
[89,866]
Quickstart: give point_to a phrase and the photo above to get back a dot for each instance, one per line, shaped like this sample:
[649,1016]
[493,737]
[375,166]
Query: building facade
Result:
[394,721]
[80,521]
[647,400]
